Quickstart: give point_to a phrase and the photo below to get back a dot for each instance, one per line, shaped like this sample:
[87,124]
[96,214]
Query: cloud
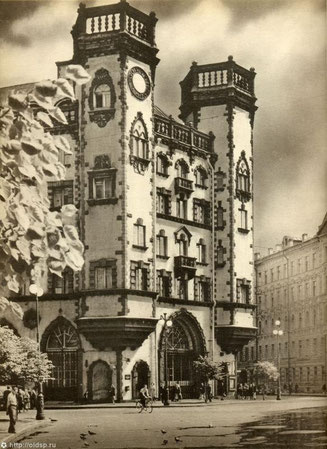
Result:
[283,40]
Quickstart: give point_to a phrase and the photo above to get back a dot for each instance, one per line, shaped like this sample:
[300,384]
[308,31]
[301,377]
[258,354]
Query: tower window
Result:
[102,96]
[163,201]
[139,234]
[182,288]
[243,178]
[140,276]
[164,283]
[243,290]
[220,262]
[60,193]
[243,220]
[139,140]
[102,181]
[201,177]
[103,274]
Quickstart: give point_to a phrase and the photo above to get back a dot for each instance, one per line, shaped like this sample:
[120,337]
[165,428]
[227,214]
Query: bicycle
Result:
[148,406]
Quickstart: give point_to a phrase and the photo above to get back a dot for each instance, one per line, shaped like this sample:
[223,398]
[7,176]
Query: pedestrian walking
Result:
[112,394]
[5,396]
[27,400]
[254,391]
[33,398]
[202,391]
[20,400]
[263,391]
[250,392]
[11,408]
[178,391]
[152,391]
[208,393]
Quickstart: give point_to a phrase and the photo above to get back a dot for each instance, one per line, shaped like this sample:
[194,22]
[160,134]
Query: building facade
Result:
[165,214]
[292,288]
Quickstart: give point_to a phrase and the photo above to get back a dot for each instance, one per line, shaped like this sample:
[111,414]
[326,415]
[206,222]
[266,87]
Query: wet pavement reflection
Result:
[298,429]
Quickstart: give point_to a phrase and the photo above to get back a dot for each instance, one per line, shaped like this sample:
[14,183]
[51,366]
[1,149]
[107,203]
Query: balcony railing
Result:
[185,135]
[185,265]
[115,18]
[183,185]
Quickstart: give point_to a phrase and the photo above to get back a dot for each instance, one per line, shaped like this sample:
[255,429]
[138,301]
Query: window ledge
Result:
[200,186]
[144,248]
[183,220]
[203,264]
[159,256]
[243,231]
[175,300]
[101,201]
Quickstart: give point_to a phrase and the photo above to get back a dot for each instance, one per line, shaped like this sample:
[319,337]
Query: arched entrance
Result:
[61,342]
[140,377]
[185,343]
[99,381]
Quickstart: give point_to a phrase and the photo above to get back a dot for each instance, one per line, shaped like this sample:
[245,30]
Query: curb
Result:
[25,431]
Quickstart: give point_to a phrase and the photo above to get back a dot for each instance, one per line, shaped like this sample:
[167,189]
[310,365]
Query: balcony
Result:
[232,338]
[183,185]
[185,265]
[116,332]
[215,84]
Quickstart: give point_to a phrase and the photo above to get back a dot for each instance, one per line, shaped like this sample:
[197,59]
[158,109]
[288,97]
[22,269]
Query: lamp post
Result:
[167,323]
[278,333]
[38,291]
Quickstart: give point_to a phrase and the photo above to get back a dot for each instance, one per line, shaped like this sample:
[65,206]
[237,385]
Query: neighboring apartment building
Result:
[165,214]
[292,288]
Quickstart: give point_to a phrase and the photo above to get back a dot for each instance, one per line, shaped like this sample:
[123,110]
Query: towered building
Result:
[292,288]
[165,214]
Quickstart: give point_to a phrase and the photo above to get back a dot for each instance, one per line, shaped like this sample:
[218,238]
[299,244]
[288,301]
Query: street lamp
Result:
[278,332]
[167,323]
[38,291]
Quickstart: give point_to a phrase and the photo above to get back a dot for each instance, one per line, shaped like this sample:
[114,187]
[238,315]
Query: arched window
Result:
[139,140]
[162,165]
[177,339]
[182,245]
[243,178]
[201,177]
[182,169]
[102,96]
[61,345]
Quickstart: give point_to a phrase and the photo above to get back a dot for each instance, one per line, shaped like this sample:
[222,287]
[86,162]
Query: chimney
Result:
[256,256]
[278,247]
[304,237]
[270,251]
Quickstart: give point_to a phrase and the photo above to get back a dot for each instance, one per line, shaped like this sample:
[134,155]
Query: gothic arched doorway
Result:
[185,343]
[99,381]
[61,342]
[140,377]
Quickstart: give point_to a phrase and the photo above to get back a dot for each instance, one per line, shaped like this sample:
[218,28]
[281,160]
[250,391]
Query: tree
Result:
[34,239]
[266,371]
[207,370]
[20,359]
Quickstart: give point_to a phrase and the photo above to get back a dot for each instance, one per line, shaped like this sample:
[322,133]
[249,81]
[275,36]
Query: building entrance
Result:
[185,344]
[140,377]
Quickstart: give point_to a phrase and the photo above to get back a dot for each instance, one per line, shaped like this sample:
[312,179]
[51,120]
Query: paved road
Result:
[220,424]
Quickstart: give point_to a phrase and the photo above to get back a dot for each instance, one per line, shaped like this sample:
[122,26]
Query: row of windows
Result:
[302,265]
[297,321]
[301,348]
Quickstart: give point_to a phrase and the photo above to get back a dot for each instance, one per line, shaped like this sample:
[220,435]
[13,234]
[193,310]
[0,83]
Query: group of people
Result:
[246,391]
[18,400]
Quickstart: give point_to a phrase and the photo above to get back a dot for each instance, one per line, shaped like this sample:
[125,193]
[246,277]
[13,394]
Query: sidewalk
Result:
[25,425]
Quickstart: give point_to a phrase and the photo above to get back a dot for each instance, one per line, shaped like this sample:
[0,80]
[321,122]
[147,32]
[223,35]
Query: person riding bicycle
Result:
[144,395]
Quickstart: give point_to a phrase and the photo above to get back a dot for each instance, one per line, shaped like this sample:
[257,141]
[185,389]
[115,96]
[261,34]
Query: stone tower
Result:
[220,98]
[115,43]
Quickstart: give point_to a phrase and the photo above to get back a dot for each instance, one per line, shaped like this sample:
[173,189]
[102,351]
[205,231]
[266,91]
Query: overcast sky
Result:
[283,39]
